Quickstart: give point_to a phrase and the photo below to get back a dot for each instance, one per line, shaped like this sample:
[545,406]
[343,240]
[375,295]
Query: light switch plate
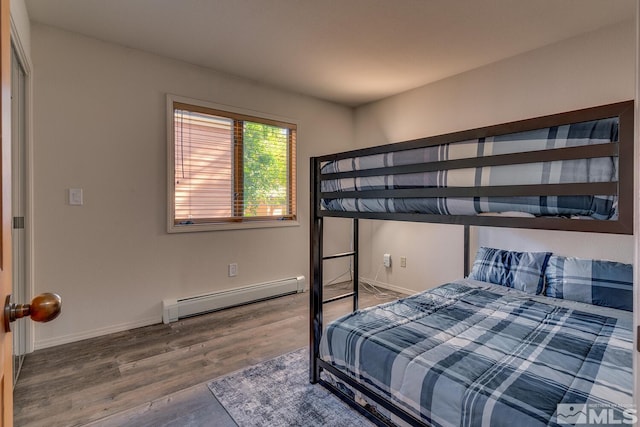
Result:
[76,197]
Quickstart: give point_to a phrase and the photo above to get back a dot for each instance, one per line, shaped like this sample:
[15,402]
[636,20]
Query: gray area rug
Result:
[278,393]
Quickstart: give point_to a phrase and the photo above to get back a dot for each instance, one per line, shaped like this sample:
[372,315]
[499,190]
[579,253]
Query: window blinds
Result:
[230,167]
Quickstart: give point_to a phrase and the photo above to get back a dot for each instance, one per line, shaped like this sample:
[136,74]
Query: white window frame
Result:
[172,227]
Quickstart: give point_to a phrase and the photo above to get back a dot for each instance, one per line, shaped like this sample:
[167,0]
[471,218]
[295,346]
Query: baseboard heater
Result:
[178,308]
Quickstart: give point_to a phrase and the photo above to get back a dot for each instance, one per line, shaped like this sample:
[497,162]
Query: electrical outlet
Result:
[233,269]
[403,261]
[387,260]
[75,197]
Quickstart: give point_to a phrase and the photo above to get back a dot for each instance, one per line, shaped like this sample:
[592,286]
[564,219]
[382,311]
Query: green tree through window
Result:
[265,169]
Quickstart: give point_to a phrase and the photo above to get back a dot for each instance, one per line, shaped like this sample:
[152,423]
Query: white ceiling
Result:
[347,51]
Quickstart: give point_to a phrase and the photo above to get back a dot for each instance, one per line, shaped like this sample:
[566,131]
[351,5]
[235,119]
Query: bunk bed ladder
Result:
[316,277]
[354,254]
[317,297]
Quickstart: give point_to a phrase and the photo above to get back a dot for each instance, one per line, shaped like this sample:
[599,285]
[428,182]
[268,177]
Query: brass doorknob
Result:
[43,308]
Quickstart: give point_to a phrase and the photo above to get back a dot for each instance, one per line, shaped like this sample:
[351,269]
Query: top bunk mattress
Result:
[474,353]
[351,184]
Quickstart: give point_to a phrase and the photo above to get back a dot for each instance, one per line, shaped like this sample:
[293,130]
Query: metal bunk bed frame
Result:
[623,150]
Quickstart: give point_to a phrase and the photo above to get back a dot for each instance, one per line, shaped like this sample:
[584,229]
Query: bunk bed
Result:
[501,342]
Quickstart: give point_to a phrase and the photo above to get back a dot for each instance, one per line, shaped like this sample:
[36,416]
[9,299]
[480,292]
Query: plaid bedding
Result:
[474,354]
[555,172]
[598,282]
[520,270]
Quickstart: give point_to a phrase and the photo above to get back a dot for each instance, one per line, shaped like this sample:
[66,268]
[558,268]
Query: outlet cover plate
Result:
[387,260]
[233,269]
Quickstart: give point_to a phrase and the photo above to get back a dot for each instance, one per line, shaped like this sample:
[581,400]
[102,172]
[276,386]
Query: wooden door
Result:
[6,358]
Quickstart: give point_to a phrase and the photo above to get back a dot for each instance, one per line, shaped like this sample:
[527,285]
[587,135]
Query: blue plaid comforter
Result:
[474,354]
[603,169]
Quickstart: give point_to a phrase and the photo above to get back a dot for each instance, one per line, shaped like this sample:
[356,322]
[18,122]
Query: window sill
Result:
[193,228]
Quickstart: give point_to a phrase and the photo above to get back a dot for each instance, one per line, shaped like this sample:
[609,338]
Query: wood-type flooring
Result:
[124,373]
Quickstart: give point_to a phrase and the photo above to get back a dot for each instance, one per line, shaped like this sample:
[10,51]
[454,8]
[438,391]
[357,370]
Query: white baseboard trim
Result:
[66,339]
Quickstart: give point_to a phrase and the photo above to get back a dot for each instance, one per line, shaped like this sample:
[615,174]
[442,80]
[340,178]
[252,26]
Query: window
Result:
[229,169]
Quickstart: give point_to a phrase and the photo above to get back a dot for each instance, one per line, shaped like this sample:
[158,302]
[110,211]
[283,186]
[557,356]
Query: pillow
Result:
[519,270]
[605,283]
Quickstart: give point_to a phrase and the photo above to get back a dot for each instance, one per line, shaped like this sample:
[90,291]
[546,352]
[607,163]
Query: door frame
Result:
[25,62]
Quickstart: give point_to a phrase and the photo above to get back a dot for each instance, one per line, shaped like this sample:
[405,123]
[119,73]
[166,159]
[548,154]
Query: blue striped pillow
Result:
[605,283]
[519,270]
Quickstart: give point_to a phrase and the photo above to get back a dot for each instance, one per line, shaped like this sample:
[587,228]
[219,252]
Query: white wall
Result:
[593,69]
[99,112]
